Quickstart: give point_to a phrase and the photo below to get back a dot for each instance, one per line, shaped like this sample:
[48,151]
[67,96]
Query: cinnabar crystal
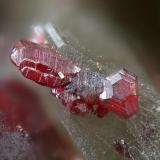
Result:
[42,64]
[80,90]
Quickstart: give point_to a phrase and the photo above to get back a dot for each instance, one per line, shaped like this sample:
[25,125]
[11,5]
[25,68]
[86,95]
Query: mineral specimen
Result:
[80,90]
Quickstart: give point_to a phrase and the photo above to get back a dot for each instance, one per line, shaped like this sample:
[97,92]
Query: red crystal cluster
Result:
[80,90]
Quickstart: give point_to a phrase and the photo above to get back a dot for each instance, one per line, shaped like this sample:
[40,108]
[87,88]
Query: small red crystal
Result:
[122,148]
[125,100]
[80,90]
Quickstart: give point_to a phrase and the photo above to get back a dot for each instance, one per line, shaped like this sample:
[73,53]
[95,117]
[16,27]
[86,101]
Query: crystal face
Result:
[79,89]
[42,64]
[125,100]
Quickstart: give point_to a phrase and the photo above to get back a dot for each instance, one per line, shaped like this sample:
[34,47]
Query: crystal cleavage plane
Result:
[79,89]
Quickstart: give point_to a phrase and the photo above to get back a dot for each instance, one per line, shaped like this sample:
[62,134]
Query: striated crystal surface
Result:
[42,63]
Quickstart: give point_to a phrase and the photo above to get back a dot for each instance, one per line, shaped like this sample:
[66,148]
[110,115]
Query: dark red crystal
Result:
[122,148]
[80,90]
[125,99]
[26,132]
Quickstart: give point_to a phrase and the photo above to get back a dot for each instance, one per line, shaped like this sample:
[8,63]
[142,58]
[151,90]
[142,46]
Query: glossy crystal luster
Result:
[79,89]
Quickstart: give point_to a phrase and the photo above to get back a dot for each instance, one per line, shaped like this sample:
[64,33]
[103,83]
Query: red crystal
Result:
[125,100]
[80,90]
[42,64]
[122,148]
